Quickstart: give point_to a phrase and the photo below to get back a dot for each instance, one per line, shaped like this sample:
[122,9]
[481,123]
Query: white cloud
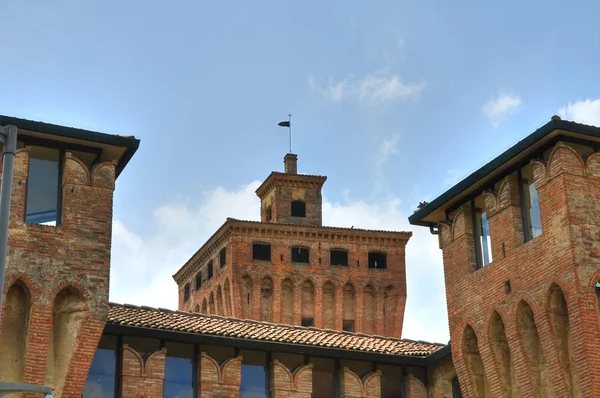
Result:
[369,89]
[500,107]
[143,264]
[587,112]
[388,147]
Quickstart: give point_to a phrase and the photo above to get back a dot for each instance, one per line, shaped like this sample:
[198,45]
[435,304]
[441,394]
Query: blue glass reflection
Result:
[486,242]
[178,378]
[253,382]
[101,377]
[536,220]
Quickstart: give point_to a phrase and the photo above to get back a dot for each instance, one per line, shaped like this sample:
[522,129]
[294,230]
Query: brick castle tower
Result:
[521,249]
[58,262]
[289,268]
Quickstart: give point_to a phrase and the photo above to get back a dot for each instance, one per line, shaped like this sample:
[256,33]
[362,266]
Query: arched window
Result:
[298,208]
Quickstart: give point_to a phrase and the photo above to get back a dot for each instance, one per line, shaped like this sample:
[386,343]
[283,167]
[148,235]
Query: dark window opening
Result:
[210,269]
[377,260]
[307,322]
[348,325]
[456,392]
[269,214]
[300,255]
[261,251]
[481,232]
[223,257]
[186,292]
[530,205]
[298,208]
[338,257]
[198,280]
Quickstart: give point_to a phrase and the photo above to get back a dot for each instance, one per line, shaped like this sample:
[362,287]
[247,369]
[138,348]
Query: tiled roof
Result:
[213,325]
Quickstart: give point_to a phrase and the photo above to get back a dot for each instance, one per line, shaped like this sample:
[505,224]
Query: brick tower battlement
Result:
[58,261]
[521,249]
[290,269]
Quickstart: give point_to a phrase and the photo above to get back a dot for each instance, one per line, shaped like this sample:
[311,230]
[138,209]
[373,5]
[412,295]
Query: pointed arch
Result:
[390,303]
[246,297]
[211,304]
[474,363]
[15,332]
[266,299]
[348,308]
[67,318]
[196,309]
[220,310]
[204,306]
[227,292]
[502,357]
[328,305]
[287,302]
[369,310]
[308,299]
[558,316]
[530,342]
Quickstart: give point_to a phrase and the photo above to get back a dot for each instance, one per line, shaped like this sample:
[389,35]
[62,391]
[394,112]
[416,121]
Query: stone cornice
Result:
[290,180]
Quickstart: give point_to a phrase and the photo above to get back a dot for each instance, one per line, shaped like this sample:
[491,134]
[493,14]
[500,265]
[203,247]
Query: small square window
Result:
[348,325]
[261,251]
[298,208]
[307,322]
[338,257]
[377,260]
[300,255]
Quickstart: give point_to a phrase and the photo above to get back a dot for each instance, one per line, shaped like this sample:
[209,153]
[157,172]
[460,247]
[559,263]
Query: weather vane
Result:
[288,124]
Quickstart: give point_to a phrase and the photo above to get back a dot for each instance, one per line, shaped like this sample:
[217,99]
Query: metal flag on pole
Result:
[288,123]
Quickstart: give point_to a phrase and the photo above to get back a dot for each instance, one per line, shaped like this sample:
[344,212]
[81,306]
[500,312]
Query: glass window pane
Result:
[536,221]
[323,378]
[486,242]
[254,368]
[42,186]
[391,381]
[101,378]
[179,371]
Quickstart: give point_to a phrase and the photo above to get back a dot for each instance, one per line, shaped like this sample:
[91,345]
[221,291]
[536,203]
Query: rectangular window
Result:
[223,257]
[261,251]
[307,322]
[530,205]
[198,280]
[179,371]
[338,257]
[186,292]
[481,232]
[43,182]
[209,268]
[254,374]
[377,260]
[348,325]
[101,380]
[300,255]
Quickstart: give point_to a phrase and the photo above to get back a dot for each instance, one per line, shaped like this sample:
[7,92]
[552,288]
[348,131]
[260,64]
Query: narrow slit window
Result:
[223,257]
[210,269]
[186,292]
[530,205]
[261,251]
[269,214]
[298,208]
[338,257]
[377,260]
[198,280]
[300,255]
[481,231]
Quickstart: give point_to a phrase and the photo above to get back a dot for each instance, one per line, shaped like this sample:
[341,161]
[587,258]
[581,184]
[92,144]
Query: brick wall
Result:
[63,272]
[291,384]
[142,378]
[219,380]
[415,388]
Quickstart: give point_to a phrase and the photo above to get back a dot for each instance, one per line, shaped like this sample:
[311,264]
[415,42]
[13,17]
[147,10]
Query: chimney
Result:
[290,162]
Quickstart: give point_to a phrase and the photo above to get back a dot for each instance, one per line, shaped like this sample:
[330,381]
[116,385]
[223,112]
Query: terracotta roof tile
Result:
[213,325]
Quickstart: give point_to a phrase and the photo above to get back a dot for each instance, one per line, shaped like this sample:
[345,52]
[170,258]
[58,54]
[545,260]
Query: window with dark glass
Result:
[223,257]
[179,371]
[261,251]
[101,380]
[323,378]
[198,280]
[391,381]
[254,374]
[481,231]
[530,205]
[43,182]
[348,325]
[338,257]
[377,260]
[300,255]
[209,269]
[186,292]
[298,208]
[307,322]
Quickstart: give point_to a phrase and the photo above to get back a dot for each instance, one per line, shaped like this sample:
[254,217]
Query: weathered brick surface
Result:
[541,337]
[352,386]
[71,262]
[142,378]
[219,380]
[415,388]
[296,383]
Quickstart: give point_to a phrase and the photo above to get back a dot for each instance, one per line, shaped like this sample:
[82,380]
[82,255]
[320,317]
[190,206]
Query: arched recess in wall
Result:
[266,299]
[196,309]
[246,297]
[287,302]
[474,364]
[227,293]
[67,317]
[211,303]
[530,342]
[348,311]
[15,332]
[220,309]
[369,310]
[390,301]
[500,348]
[308,300]
[328,305]
[204,306]
[558,315]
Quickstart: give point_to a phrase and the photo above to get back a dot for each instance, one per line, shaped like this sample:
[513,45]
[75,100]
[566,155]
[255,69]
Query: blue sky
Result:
[392,100]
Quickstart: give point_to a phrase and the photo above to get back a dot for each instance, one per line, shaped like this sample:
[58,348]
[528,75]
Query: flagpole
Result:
[290,127]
